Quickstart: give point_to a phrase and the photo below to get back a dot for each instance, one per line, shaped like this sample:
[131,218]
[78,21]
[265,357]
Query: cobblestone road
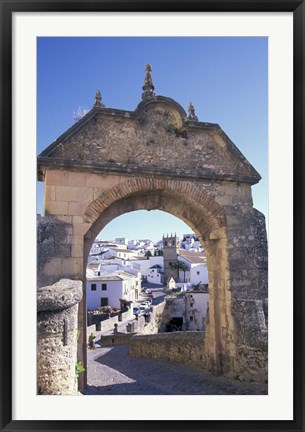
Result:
[112,371]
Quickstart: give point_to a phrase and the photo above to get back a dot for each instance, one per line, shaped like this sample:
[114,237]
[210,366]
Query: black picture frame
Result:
[7,9]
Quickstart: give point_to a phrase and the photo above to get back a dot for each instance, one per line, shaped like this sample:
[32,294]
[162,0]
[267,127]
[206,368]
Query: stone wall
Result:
[181,347]
[253,340]
[108,324]
[116,339]
[57,310]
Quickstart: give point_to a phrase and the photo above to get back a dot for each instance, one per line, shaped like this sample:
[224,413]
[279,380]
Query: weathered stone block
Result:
[56,208]
[80,229]
[52,267]
[72,266]
[76,194]
[77,208]
[77,251]
[77,219]
[224,200]
[77,178]
[56,177]
[49,193]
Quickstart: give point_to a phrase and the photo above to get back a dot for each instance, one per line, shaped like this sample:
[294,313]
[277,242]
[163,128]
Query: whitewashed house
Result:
[143,265]
[122,253]
[97,257]
[110,289]
[109,266]
[196,262]
[155,275]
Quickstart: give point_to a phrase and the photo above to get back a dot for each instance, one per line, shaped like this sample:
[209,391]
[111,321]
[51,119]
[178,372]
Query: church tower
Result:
[170,250]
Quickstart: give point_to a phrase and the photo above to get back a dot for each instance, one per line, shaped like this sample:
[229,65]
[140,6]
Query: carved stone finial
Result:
[148,86]
[192,115]
[98,99]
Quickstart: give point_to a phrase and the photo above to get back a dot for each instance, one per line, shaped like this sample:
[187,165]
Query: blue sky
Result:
[225,78]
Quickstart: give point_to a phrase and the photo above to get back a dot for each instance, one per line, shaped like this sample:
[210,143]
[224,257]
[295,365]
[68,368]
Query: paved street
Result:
[111,371]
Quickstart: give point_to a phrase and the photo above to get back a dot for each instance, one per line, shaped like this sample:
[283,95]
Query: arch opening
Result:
[187,300]
[207,222]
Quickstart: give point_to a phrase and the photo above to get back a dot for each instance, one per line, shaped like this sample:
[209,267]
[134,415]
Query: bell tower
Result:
[170,250]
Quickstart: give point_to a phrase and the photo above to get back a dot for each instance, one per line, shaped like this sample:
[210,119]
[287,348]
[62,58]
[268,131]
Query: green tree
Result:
[180,265]
[148,254]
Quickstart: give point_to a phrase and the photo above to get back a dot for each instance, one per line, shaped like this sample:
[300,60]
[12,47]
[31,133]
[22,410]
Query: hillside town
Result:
[128,280]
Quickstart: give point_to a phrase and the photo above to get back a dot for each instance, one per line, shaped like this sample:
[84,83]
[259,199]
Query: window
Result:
[191,318]
[93,287]
[104,301]
[99,273]
[104,287]
[198,272]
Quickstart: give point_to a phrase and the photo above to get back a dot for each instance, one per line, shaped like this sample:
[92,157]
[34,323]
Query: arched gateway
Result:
[156,157]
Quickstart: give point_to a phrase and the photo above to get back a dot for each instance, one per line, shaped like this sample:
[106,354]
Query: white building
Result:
[141,245]
[197,265]
[196,307]
[143,265]
[108,290]
[109,266]
[122,253]
[133,244]
[97,257]
[191,242]
[155,275]
[121,240]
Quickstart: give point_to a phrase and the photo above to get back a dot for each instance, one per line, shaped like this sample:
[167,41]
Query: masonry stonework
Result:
[180,347]
[57,308]
[113,161]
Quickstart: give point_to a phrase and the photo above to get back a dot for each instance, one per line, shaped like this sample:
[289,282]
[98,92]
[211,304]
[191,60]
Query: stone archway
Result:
[113,161]
[201,213]
[223,345]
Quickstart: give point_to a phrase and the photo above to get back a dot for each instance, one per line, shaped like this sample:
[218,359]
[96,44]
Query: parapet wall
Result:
[108,324]
[57,309]
[181,347]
